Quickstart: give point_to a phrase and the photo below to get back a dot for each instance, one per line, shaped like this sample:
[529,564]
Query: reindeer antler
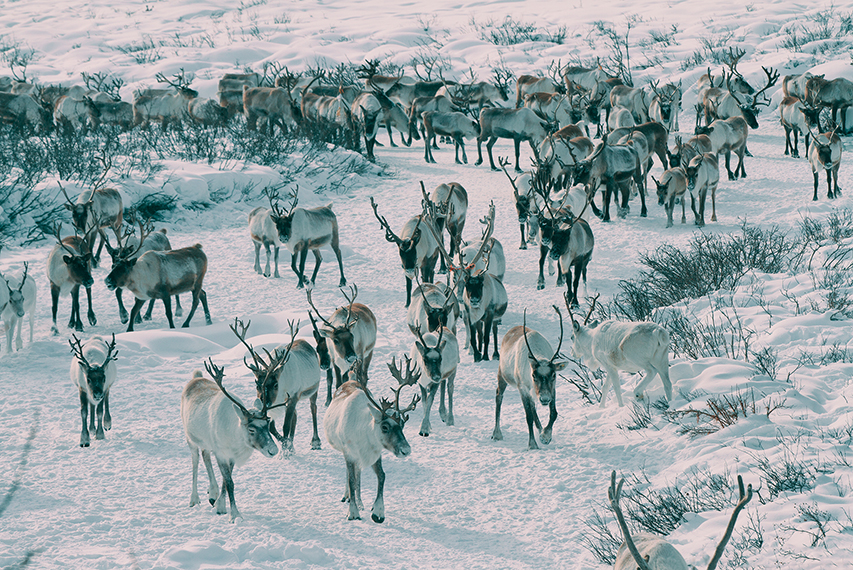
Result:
[389,233]
[411,378]
[311,302]
[351,300]
[772,78]
[77,350]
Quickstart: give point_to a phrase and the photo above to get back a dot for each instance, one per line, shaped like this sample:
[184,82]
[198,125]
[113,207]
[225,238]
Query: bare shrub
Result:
[588,382]
[720,412]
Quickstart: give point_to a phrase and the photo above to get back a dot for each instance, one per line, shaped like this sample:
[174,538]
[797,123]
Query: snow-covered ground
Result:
[460,500]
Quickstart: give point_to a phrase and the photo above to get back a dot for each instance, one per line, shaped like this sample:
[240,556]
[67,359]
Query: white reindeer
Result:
[264,233]
[216,422]
[628,346]
[646,551]
[98,207]
[360,427]
[436,356]
[20,299]
[672,186]
[825,155]
[703,175]
[69,265]
[93,371]
[528,364]
[516,124]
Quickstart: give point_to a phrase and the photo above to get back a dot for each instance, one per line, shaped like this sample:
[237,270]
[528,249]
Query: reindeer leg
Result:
[378,511]
[122,312]
[134,312]
[315,438]
[318,259]
[212,488]
[499,396]
[84,410]
[451,380]
[258,258]
[815,187]
[479,151]
[829,193]
[303,256]
[543,253]
[352,491]
[732,176]
[196,296]
[287,428]
[98,414]
[227,470]
[486,323]
[294,259]
[546,434]
[427,396]
[495,354]
[148,311]
[90,314]
[194,500]
[54,305]
[532,419]
[714,203]
[464,155]
[108,419]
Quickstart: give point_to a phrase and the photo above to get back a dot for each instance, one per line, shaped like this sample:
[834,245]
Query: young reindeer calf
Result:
[93,371]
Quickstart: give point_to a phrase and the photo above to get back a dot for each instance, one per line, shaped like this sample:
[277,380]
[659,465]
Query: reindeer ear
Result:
[67,259]
[575,325]
[239,411]
[69,206]
[377,414]
[420,346]
[558,366]
[593,324]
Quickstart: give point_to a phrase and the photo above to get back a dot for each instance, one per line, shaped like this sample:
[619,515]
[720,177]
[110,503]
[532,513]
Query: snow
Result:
[460,500]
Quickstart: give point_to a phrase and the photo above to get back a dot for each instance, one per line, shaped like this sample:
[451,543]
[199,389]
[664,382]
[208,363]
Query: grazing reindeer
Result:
[448,207]
[23,110]
[554,108]
[352,331]
[835,93]
[529,84]
[297,377]
[628,346]
[457,126]
[71,109]
[159,275]
[728,135]
[301,229]
[621,118]
[528,364]
[360,427]
[421,105]
[154,241]
[703,174]
[104,110]
[436,355]
[516,124]
[671,187]
[164,105]
[797,118]
[795,85]
[208,112]
[69,266]
[275,104]
[418,249]
[20,299]
[651,552]
[93,371]
[433,307]
[98,207]
[825,154]
[215,422]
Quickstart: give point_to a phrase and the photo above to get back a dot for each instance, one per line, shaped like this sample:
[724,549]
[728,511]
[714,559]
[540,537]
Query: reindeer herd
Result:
[553,114]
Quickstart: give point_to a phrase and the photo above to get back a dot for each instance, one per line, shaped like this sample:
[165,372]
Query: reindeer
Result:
[728,135]
[628,346]
[525,204]
[554,108]
[20,299]
[421,105]
[671,187]
[797,117]
[559,150]
[23,110]
[360,427]
[352,331]
[419,250]
[127,243]
[164,105]
[656,134]
[215,422]
[71,109]
[484,295]
[69,266]
[665,105]
[528,84]
[571,245]
[615,167]
[297,377]
[433,307]
[367,113]
[208,112]
[684,152]
[835,93]
[99,208]
[825,154]
[650,552]
[585,77]
[93,371]
[324,109]
[703,174]
[263,231]
[436,355]
[230,89]
[104,110]
[600,99]
[528,364]
[631,98]
[457,126]
[324,356]
[448,207]
[301,230]
[516,124]
[621,118]
[275,104]
[721,104]
[394,114]
[740,84]
[159,275]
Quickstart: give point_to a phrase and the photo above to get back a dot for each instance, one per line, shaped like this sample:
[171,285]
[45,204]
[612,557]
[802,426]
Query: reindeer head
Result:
[79,210]
[339,329]
[408,246]
[96,374]
[322,345]
[581,336]
[431,352]
[544,371]
[692,171]
[78,260]
[16,296]
[125,257]
[266,372]
[255,422]
[283,219]
[389,416]
[662,189]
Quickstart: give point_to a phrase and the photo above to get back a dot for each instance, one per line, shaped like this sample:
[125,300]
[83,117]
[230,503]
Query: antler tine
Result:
[443,252]
[418,334]
[409,380]
[503,162]
[66,194]
[772,78]
[277,361]
[568,300]
[560,343]
[389,233]
[218,373]
[354,290]
[273,196]
[426,197]
[745,497]
[24,277]
[110,354]
[614,492]
[295,195]
[57,233]
[490,226]
[421,289]
[77,350]
[591,308]
[311,302]
[734,57]
[524,334]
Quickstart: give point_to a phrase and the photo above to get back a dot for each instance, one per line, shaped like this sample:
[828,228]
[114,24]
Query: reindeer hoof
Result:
[211,501]
[377,519]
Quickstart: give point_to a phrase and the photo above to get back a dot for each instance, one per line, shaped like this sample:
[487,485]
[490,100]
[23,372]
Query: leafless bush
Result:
[618,60]
[788,473]
[601,539]
[640,416]
[587,381]
[720,412]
